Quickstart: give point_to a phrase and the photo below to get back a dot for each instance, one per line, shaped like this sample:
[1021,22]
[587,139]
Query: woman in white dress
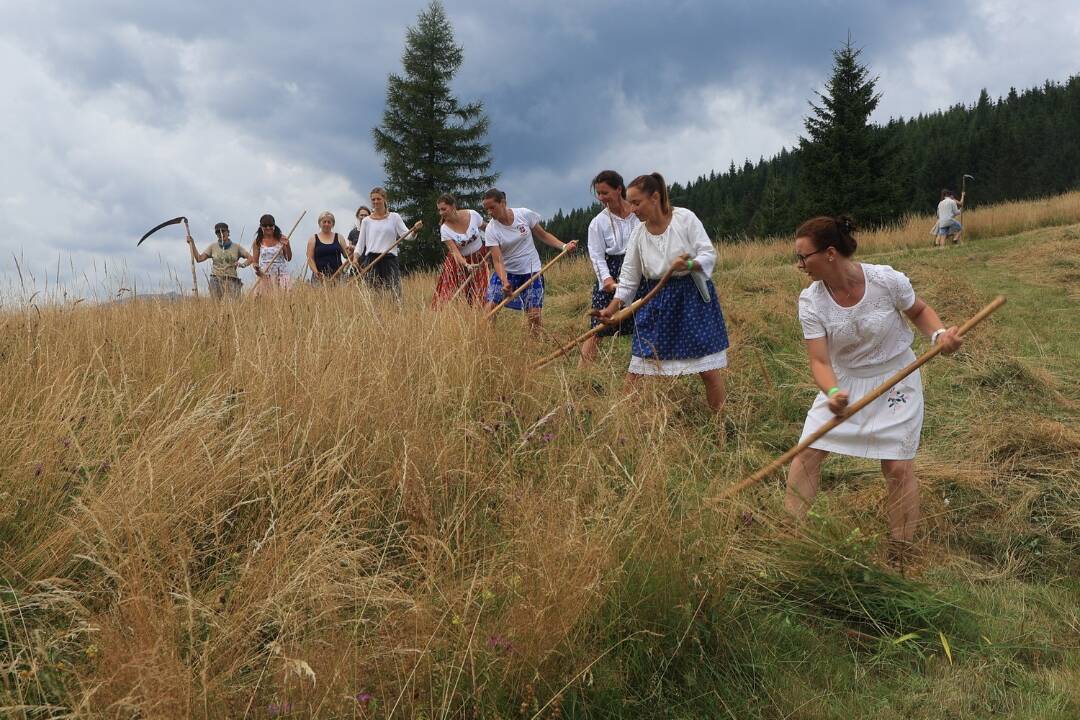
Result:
[681,331]
[609,233]
[852,317]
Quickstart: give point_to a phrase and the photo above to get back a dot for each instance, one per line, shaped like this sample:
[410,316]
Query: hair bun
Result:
[847,223]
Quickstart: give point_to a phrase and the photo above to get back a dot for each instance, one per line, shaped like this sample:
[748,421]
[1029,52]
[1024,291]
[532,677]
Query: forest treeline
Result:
[1023,145]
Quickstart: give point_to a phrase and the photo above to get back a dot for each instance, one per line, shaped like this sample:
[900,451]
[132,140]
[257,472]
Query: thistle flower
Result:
[363,698]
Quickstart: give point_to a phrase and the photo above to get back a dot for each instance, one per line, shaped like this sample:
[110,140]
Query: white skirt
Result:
[690,366]
[886,429]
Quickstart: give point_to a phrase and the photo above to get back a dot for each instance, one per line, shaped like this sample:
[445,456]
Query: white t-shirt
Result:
[516,242]
[651,255]
[376,236]
[609,234]
[947,209]
[469,241]
[872,331]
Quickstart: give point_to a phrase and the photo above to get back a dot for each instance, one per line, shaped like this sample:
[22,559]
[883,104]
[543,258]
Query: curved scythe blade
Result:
[154,229]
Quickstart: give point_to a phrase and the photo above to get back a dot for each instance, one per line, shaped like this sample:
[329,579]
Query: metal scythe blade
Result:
[154,229]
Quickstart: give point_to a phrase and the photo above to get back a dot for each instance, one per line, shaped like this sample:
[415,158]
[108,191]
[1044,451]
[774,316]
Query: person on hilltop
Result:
[325,250]
[609,233]
[510,235]
[226,256]
[463,232]
[272,254]
[681,331]
[378,233]
[948,227]
[852,318]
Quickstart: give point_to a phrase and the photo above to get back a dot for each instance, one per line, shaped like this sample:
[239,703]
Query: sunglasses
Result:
[267,226]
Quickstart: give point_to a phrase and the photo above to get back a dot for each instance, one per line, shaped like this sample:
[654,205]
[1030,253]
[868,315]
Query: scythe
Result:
[167,223]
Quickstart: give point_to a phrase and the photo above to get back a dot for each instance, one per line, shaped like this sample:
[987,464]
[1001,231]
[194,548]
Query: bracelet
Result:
[689,264]
[832,391]
[935,335]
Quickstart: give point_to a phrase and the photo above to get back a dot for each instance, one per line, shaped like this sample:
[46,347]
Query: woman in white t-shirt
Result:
[852,317]
[681,331]
[463,232]
[509,235]
[609,234]
[378,233]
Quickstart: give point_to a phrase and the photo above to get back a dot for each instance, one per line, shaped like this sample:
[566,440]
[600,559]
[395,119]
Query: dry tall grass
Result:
[325,505]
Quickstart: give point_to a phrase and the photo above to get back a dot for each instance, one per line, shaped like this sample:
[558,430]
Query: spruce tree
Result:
[841,156]
[431,143]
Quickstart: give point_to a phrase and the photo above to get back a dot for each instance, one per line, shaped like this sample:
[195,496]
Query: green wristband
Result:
[689,264]
[832,391]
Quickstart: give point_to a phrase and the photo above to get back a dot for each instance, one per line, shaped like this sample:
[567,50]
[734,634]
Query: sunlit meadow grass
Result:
[326,505]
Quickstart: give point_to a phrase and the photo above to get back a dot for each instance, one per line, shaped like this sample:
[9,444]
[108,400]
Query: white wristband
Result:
[934,336]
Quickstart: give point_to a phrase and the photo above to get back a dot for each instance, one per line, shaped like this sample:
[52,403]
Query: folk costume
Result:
[868,342]
[471,246]
[681,331]
[609,235]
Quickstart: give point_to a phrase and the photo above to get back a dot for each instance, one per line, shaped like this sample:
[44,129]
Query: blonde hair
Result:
[379,190]
[327,214]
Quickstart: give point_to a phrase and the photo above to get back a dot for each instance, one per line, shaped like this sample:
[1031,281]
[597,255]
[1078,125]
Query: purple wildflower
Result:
[66,442]
[747,518]
[547,437]
[363,698]
[38,469]
[276,709]
[500,644]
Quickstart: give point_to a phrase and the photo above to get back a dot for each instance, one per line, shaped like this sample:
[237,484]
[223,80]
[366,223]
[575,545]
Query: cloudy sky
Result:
[117,114]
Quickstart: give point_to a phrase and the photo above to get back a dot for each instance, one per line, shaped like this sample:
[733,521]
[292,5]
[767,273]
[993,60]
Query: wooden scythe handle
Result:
[194,278]
[615,319]
[854,408]
[419,225]
[280,253]
[521,288]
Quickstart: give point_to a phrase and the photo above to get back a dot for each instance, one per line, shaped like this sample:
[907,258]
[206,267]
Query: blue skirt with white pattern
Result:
[677,324]
[601,299]
[531,297]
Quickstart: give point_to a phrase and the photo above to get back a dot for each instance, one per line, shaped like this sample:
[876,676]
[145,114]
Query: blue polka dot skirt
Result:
[601,300]
[677,324]
[532,297]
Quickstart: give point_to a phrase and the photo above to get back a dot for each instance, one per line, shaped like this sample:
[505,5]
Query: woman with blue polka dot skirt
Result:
[681,331]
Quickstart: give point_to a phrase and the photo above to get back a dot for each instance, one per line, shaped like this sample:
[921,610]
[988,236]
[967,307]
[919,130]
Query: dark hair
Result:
[650,185]
[266,220]
[363,207]
[447,199]
[494,194]
[219,227]
[611,179]
[947,193]
[826,232]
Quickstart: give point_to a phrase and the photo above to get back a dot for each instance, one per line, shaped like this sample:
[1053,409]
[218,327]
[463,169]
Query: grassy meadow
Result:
[323,505]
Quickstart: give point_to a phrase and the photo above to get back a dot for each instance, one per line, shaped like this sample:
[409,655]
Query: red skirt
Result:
[453,275]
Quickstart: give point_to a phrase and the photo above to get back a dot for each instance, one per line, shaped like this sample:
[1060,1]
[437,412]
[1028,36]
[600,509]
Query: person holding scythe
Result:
[510,237]
[682,330]
[465,267]
[609,233]
[272,253]
[325,250]
[948,227]
[379,233]
[852,318]
[226,256]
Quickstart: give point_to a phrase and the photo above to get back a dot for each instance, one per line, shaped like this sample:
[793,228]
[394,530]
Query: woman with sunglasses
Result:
[463,233]
[682,330]
[226,256]
[272,253]
[852,318]
[609,233]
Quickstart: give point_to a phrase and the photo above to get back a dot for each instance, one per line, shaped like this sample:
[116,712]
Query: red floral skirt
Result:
[453,275]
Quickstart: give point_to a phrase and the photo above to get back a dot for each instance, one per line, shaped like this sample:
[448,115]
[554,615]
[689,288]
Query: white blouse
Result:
[469,241]
[376,236]
[651,255]
[609,234]
[870,332]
